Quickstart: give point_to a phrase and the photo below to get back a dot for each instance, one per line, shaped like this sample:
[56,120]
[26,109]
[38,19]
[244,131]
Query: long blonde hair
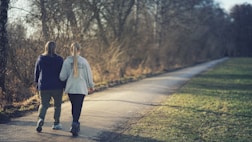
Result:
[75,48]
[50,48]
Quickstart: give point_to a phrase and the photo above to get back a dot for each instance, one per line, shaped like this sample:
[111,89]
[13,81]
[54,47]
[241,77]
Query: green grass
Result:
[214,106]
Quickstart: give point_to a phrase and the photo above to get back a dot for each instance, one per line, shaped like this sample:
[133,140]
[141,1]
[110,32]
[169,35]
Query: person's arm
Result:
[64,73]
[37,70]
[89,79]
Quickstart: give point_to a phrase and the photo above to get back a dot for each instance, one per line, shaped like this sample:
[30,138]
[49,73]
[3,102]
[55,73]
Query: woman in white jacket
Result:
[77,73]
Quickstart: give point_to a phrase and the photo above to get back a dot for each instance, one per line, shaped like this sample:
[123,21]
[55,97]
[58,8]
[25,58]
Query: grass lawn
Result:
[213,106]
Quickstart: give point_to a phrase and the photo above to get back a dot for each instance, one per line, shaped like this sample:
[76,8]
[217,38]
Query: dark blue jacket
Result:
[46,73]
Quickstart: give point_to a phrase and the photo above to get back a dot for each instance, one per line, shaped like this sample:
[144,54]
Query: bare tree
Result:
[44,19]
[116,12]
[70,15]
[4,5]
[242,26]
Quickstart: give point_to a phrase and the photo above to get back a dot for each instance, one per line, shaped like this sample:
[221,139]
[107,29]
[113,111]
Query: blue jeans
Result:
[45,97]
[77,102]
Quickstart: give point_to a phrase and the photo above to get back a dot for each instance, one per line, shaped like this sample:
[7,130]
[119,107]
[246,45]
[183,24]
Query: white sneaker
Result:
[57,127]
[40,123]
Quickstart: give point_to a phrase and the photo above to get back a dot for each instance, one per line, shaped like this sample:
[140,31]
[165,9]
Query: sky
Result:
[24,4]
[227,4]
[20,4]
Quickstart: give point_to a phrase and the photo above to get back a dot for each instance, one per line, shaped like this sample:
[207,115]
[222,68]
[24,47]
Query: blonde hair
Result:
[75,48]
[50,48]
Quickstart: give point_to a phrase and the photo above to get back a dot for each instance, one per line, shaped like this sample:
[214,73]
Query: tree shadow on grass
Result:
[209,111]
[228,81]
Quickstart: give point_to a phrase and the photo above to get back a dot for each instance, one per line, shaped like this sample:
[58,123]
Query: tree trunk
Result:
[4,5]
[71,17]
[43,20]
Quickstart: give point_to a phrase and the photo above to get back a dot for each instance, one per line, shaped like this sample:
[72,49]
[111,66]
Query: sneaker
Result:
[75,128]
[40,123]
[57,126]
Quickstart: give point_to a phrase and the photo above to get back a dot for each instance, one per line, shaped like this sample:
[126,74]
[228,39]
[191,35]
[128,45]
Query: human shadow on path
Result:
[119,137]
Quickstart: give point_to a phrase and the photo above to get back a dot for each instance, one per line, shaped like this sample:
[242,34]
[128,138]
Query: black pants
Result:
[76,101]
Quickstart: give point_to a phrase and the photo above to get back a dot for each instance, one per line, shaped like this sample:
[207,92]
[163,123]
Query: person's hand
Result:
[35,84]
[90,90]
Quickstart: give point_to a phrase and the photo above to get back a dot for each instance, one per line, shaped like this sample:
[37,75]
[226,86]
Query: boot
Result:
[75,129]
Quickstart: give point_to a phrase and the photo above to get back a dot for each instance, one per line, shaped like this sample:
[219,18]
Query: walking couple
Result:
[52,74]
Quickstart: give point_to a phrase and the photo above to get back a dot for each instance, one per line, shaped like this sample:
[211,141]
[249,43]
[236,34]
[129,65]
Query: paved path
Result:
[103,111]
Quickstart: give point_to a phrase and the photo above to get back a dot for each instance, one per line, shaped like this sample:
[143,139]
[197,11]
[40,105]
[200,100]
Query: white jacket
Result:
[80,84]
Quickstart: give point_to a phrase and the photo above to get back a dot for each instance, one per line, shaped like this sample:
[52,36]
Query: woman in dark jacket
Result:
[46,75]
